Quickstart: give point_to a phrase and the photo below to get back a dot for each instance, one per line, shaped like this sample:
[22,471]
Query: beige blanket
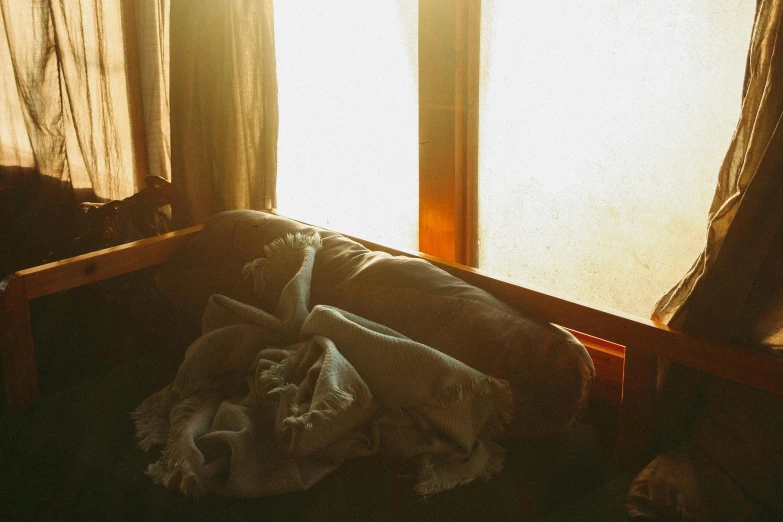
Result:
[267,403]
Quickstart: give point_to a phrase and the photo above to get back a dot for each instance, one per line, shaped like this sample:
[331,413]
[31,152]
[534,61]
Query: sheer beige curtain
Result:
[146,36]
[79,104]
[223,107]
[733,292]
[83,113]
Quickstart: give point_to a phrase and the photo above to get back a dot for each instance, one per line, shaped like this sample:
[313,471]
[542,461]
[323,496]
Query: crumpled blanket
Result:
[267,403]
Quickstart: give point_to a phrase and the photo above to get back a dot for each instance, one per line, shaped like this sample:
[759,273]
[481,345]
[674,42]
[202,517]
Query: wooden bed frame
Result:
[624,348]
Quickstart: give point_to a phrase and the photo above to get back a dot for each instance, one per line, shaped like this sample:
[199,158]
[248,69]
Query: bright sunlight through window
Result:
[603,125]
[348,155]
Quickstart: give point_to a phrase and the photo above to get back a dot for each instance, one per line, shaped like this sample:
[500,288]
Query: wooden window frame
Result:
[449,51]
[449,70]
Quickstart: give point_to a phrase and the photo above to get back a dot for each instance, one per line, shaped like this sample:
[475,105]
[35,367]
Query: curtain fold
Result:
[146,32]
[729,432]
[223,107]
[71,92]
[732,276]
[734,291]
[29,33]
[68,81]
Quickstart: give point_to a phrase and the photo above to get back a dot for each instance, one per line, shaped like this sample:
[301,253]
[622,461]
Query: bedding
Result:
[548,370]
[269,403]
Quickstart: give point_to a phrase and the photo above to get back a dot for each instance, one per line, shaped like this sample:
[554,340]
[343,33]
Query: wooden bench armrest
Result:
[18,289]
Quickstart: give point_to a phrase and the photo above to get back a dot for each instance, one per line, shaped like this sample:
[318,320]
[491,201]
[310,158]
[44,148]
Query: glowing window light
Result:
[602,128]
[348,101]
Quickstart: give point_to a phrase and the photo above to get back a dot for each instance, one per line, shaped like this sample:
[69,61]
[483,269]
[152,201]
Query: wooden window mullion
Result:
[448,128]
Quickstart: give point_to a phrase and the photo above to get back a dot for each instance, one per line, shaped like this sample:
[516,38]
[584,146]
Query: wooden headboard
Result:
[625,348]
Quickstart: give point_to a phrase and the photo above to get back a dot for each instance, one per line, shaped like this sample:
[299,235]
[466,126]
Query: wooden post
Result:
[640,380]
[16,345]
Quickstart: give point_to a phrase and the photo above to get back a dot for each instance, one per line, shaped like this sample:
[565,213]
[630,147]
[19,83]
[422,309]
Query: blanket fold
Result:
[271,402]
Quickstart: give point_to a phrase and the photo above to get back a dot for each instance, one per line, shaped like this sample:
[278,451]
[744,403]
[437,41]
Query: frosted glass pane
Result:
[603,125]
[349,135]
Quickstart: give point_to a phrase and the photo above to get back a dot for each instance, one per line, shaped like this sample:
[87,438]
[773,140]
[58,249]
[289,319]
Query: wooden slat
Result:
[16,345]
[102,264]
[608,359]
[640,377]
[437,182]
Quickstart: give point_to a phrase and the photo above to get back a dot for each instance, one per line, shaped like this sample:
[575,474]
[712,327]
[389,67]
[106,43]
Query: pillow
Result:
[548,370]
[212,262]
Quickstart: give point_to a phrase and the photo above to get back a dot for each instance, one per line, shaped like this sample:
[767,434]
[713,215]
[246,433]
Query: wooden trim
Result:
[448,128]
[102,264]
[609,360]
[602,345]
[471,215]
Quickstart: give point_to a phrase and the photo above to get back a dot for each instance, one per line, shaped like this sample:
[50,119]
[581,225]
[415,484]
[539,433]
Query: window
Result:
[571,146]
[348,103]
[602,129]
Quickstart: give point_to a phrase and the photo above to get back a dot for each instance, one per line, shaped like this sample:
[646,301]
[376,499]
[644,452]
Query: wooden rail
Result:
[17,290]
[644,340]
[103,264]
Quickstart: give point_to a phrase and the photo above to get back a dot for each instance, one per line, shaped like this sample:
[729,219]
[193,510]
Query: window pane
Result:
[349,135]
[603,127]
